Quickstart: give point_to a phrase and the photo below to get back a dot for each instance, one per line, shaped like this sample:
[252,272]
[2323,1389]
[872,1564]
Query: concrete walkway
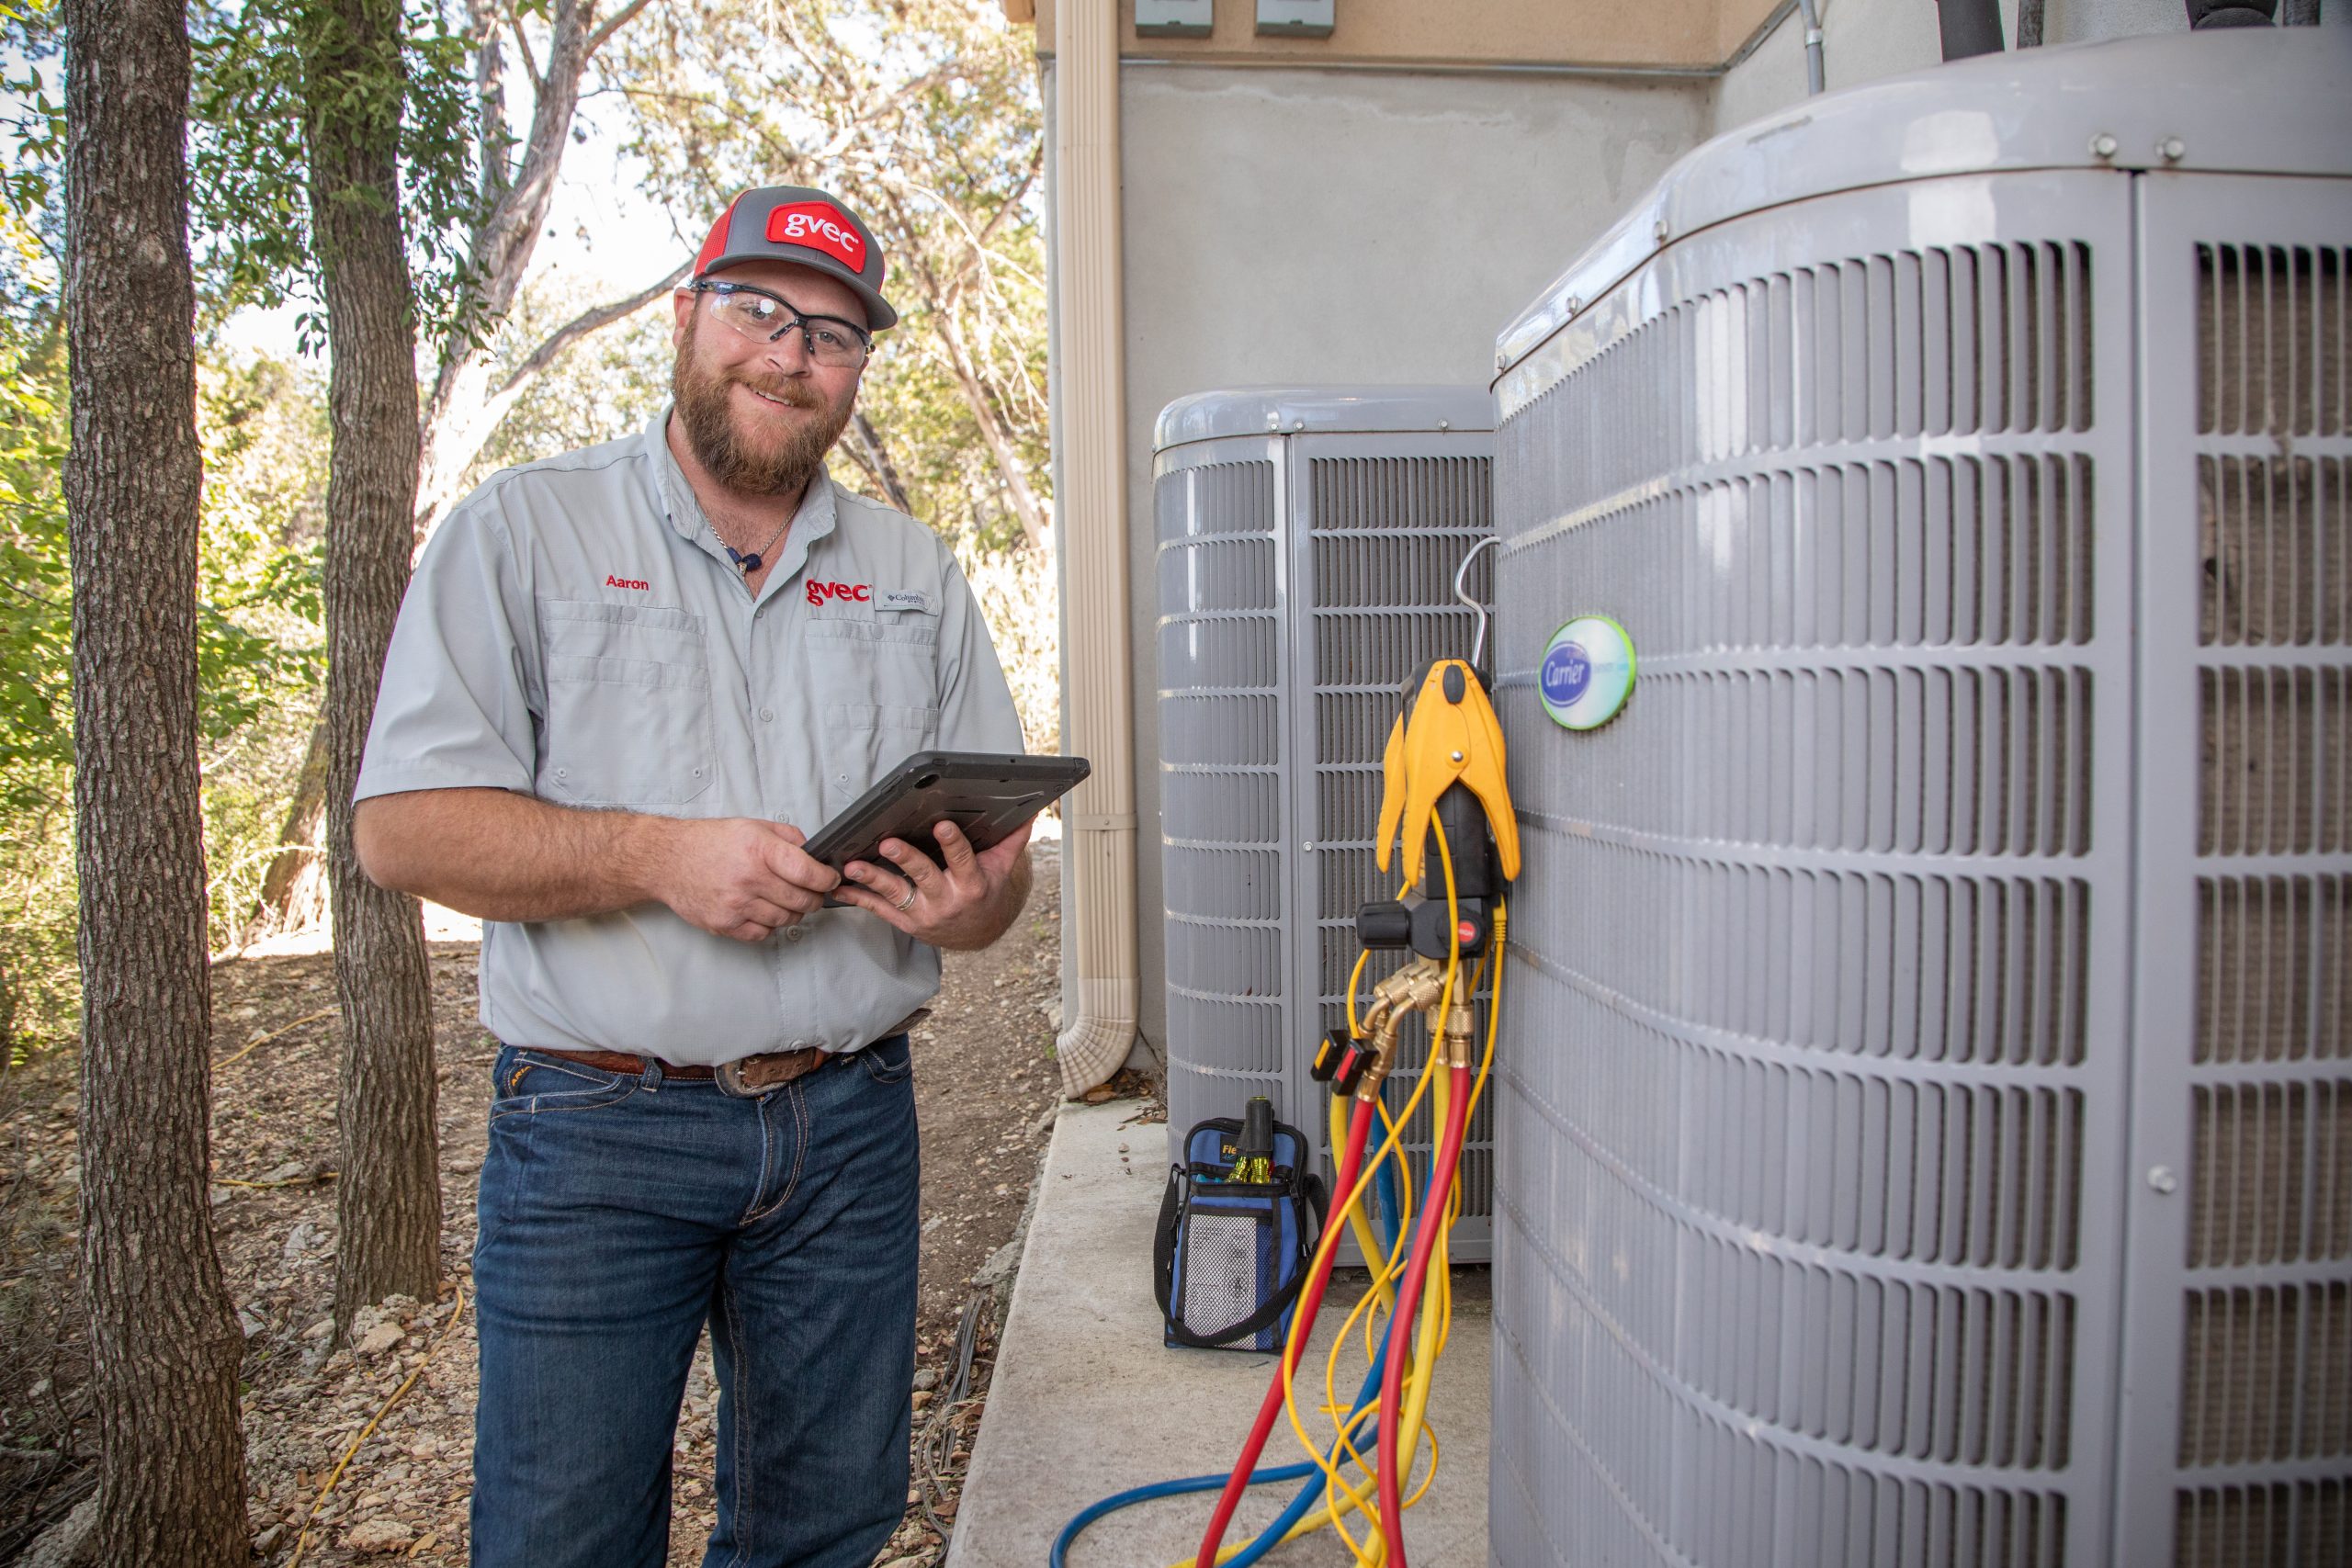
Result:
[1087,1402]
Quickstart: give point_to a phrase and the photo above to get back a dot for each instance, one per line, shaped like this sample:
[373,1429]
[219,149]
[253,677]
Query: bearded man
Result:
[626,683]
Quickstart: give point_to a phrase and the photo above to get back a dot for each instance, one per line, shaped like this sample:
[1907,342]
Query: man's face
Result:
[760,416]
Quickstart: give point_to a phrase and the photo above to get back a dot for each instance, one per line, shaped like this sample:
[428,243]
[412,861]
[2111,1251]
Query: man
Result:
[626,683]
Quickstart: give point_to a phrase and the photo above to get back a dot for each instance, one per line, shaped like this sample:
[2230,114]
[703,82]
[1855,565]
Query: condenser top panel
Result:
[2250,100]
[1321,410]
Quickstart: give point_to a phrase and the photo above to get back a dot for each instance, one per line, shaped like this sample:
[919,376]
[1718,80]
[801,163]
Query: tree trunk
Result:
[874,453]
[388,1201]
[163,1338]
[293,890]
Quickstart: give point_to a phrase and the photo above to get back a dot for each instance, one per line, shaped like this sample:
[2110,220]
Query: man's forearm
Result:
[502,856]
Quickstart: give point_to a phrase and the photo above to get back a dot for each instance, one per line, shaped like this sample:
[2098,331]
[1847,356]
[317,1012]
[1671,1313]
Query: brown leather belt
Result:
[772,1070]
[751,1075]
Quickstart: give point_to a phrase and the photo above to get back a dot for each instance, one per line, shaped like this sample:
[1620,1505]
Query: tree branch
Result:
[620,19]
[523,47]
[583,325]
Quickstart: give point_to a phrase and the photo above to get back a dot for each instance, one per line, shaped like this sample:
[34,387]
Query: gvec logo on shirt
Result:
[860,593]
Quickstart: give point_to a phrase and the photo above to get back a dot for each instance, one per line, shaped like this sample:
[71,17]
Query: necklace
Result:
[747,564]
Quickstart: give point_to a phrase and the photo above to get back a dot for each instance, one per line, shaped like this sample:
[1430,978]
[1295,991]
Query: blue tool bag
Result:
[1230,1255]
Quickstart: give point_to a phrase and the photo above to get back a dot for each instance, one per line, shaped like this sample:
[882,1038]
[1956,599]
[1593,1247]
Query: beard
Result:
[784,461]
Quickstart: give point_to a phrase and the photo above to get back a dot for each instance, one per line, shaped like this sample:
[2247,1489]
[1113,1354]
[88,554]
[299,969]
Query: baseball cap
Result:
[808,228]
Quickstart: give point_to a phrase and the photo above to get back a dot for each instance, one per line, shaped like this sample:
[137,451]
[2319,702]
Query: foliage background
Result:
[923,114]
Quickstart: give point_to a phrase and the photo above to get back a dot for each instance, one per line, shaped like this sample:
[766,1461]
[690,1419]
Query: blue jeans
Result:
[619,1214]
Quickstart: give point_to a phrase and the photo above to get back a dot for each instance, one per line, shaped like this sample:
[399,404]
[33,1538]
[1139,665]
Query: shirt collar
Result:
[811,523]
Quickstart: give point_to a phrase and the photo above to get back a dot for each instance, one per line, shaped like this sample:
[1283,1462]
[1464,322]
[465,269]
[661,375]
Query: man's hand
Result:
[962,901]
[741,877]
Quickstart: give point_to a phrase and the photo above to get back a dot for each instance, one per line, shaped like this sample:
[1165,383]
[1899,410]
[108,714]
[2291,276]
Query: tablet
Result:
[985,793]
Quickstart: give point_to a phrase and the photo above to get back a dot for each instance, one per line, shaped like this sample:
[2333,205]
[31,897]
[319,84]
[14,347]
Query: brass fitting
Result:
[1376,1066]
[1414,988]
[1459,1027]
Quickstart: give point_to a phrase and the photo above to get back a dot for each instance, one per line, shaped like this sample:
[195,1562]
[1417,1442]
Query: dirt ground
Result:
[985,1087]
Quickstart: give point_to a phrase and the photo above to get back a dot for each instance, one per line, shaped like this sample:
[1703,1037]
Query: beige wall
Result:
[1311,226]
[1676,34]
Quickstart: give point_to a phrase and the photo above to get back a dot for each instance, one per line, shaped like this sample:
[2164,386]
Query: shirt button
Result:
[793,933]
[767,716]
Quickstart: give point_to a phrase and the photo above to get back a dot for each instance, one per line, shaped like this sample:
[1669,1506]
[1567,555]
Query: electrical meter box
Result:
[1295,18]
[1176,19]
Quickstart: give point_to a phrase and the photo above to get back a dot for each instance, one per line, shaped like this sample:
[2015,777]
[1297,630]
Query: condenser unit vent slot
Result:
[2277,534]
[2278,759]
[2274,326]
[2276,981]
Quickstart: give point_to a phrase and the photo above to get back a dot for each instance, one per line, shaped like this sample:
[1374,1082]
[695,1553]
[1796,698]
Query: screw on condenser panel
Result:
[1574,304]
[1658,231]
[2173,148]
[2104,145]
[1445,424]
[2161,1178]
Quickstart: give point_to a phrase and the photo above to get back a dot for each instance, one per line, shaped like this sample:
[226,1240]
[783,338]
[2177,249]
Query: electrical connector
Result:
[1351,1069]
[1333,1051]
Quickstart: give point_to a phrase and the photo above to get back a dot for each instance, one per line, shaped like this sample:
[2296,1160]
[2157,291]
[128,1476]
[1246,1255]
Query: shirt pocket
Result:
[878,675]
[628,718]
[864,740]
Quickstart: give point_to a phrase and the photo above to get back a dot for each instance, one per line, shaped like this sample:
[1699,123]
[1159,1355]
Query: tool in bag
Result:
[1236,1227]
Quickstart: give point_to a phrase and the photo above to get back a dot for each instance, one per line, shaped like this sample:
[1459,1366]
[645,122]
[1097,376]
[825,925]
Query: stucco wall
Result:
[1334,226]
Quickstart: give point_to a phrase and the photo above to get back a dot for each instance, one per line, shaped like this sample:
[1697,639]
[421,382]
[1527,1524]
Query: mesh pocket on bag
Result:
[1220,1270]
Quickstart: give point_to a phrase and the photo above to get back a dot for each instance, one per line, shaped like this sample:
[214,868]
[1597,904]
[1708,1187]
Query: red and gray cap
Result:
[809,227]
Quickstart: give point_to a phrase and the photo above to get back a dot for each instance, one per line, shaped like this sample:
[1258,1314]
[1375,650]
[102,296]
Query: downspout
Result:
[1812,15]
[1099,823]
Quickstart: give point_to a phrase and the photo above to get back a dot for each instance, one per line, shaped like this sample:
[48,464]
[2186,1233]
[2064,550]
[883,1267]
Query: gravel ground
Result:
[985,1087]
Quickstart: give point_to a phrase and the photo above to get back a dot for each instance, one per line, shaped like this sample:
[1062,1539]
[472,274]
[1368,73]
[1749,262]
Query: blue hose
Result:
[1128,1499]
[1384,1189]
[1272,1536]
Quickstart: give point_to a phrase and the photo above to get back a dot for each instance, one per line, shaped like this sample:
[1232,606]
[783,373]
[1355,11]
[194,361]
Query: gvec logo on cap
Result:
[820,226]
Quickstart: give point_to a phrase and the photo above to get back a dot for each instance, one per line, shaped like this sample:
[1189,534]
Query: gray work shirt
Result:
[576,631]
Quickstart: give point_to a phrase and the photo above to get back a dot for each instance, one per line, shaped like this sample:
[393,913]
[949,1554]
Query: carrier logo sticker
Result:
[820,226]
[1587,673]
[903,599]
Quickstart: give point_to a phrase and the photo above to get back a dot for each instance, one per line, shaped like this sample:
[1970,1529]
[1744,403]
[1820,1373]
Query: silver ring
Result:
[909,901]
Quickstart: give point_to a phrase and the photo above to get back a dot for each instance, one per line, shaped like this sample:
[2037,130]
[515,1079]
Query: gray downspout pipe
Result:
[1812,47]
[1969,27]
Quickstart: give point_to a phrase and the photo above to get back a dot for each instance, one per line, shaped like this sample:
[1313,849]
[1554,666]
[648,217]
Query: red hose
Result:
[1392,1438]
[1310,1301]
